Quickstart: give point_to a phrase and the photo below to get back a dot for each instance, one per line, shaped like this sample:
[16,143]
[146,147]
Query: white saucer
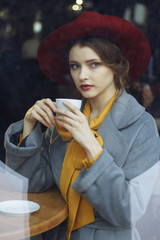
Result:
[18,207]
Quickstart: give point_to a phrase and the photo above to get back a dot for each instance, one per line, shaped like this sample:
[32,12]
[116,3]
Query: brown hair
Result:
[110,54]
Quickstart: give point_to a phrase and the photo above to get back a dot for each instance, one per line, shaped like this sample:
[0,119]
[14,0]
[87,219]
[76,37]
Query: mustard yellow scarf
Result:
[80,210]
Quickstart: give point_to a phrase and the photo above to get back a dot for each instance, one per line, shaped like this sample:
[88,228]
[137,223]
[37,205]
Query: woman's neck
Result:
[98,104]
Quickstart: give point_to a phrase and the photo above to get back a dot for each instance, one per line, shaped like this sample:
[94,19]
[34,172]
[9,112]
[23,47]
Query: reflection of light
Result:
[140,13]
[29,48]
[76,7]
[1,14]
[127,14]
[79,2]
[8,28]
[37,27]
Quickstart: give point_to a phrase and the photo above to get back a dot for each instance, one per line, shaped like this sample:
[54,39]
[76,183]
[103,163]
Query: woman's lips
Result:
[86,87]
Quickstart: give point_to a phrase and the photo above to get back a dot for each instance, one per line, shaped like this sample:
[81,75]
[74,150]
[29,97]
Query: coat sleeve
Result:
[118,199]
[31,161]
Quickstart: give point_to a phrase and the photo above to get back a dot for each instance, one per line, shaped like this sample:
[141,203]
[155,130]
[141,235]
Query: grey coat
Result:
[131,150]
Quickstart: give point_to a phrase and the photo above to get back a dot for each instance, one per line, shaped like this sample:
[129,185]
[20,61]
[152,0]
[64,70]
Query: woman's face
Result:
[91,76]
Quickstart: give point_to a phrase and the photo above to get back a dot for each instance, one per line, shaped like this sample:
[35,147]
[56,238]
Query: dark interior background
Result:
[21,81]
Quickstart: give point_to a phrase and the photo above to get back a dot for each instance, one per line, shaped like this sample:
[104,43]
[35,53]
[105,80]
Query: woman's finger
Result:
[67,126]
[47,107]
[42,115]
[35,115]
[72,107]
[71,121]
[72,111]
[49,103]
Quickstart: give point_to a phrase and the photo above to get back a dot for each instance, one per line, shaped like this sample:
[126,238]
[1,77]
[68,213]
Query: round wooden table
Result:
[53,210]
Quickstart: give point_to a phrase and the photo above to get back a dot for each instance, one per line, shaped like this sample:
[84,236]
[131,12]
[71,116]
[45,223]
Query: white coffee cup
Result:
[76,102]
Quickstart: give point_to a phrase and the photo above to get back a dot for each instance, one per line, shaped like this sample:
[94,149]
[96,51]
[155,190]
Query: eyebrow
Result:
[90,60]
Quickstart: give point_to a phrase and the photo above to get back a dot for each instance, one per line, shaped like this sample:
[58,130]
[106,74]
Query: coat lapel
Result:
[114,141]
[119,118]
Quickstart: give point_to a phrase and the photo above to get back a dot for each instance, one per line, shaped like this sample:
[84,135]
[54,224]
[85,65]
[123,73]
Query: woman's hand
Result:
[78,127]
[41,111]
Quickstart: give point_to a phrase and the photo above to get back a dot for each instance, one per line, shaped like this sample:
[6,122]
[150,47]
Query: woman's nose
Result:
[83,75]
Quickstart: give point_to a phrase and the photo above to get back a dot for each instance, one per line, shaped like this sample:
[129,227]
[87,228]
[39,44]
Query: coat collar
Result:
[125,111]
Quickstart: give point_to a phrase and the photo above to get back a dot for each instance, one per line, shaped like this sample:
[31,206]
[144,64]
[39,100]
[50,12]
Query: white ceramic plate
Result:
[18,207]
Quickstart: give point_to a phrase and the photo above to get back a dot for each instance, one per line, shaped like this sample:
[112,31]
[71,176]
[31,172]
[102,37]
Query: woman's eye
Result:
[95,64]
[74,66]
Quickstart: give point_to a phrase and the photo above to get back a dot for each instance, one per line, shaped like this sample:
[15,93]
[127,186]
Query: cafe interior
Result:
[24,23]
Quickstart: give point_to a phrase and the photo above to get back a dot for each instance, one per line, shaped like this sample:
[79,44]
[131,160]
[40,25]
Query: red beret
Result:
[124,34]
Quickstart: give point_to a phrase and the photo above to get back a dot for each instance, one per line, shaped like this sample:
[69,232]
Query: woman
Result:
[104,158]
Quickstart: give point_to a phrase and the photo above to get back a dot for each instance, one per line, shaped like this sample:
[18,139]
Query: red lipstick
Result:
[86,87]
